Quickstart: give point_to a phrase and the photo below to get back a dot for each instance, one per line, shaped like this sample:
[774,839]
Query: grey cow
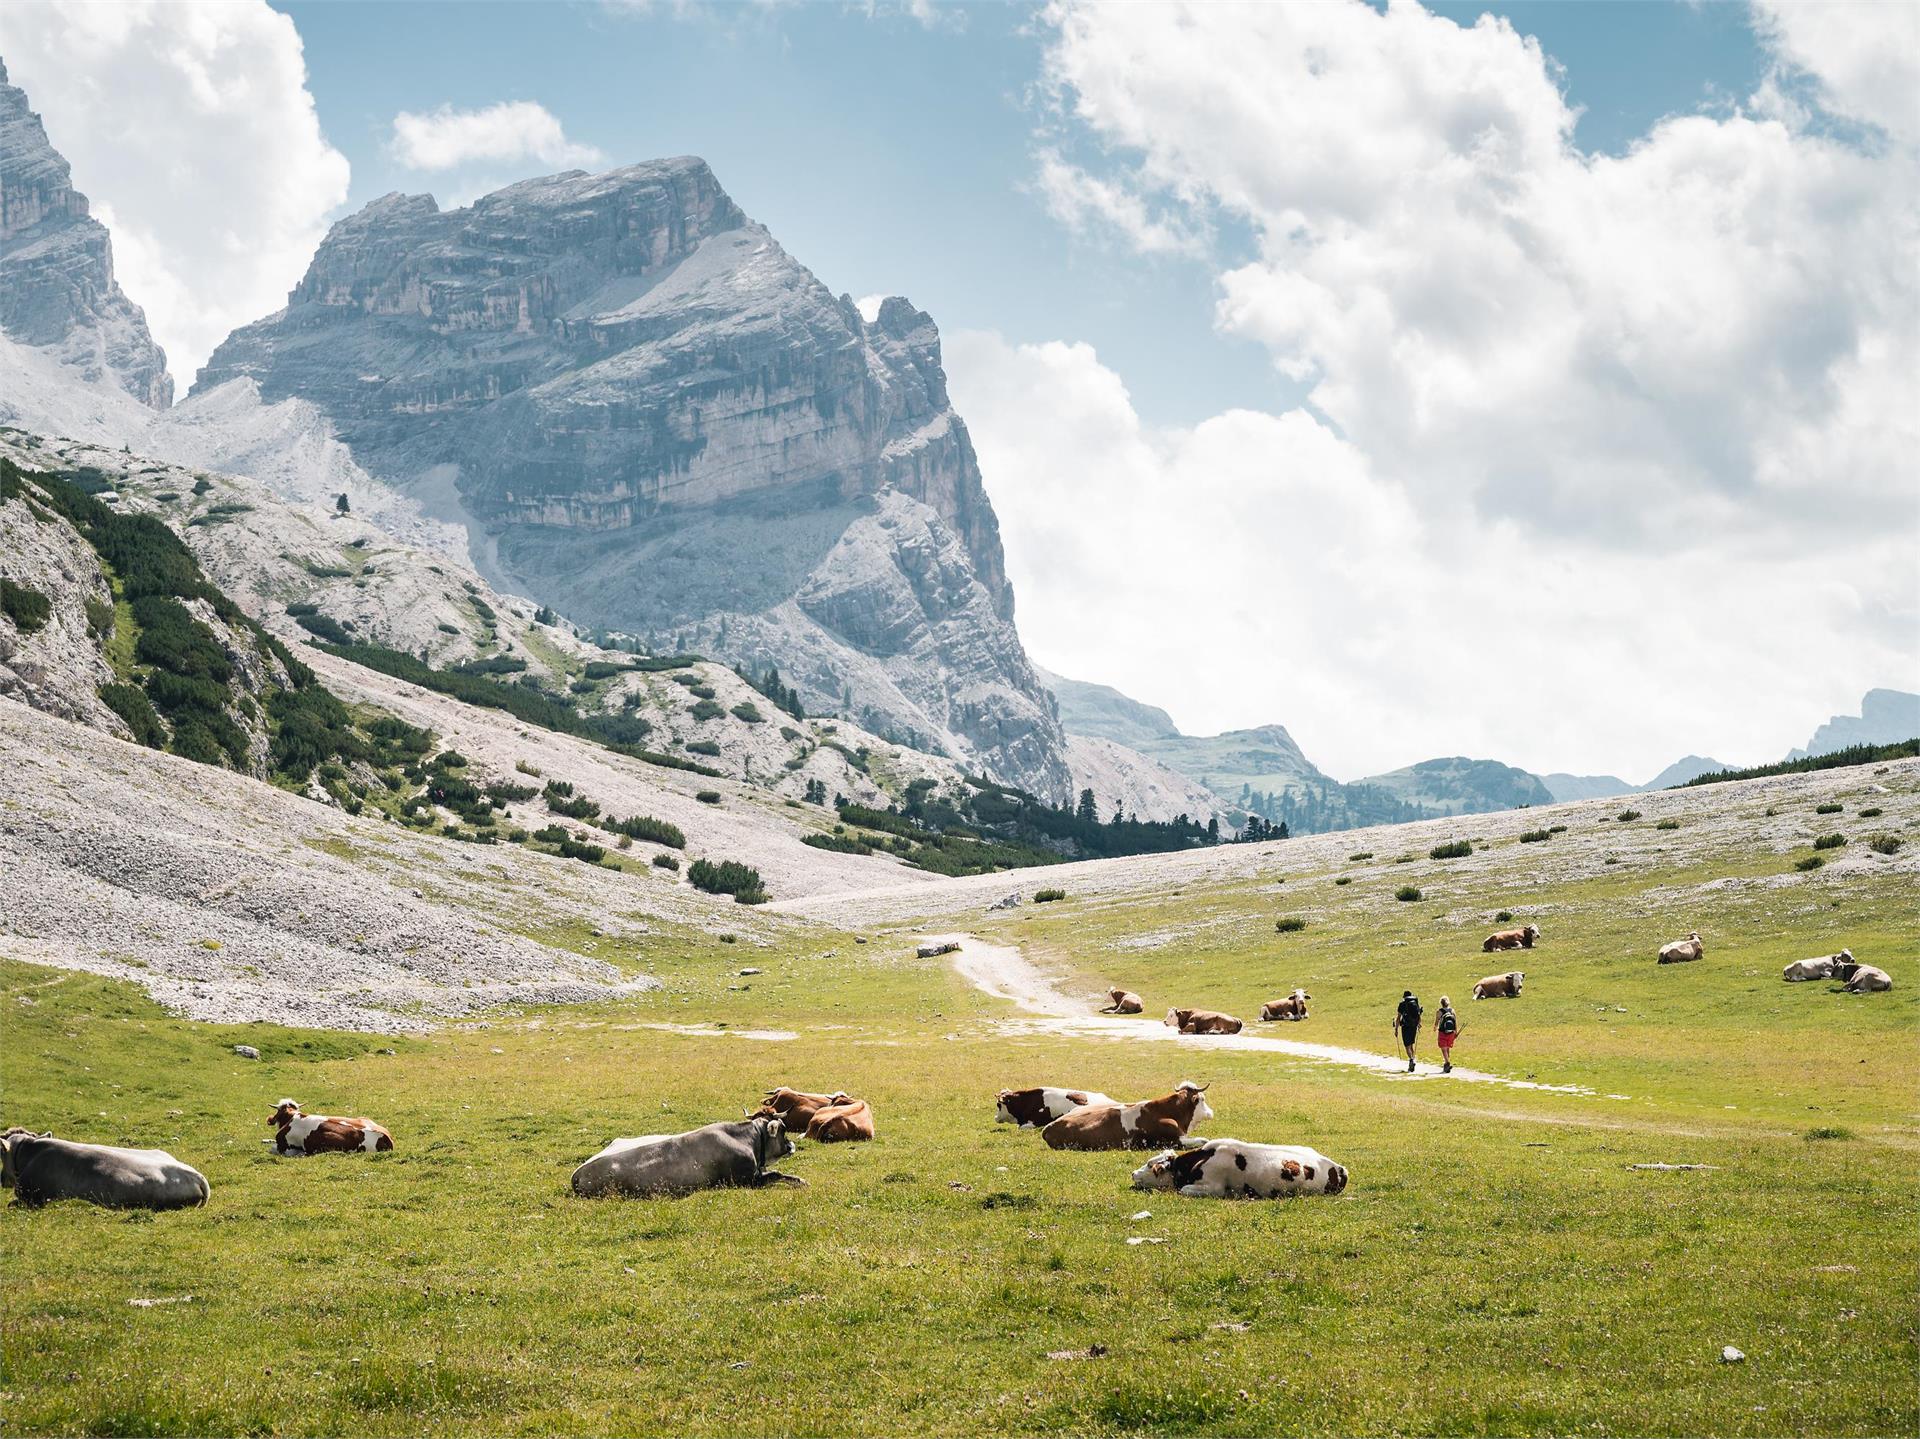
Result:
[40,1169]
[730,1153]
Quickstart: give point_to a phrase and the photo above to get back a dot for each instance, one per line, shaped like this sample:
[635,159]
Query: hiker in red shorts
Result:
[1446,1028]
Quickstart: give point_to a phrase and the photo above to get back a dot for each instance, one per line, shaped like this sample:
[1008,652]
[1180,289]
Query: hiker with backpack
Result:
[1406,1019]
[1446,1029]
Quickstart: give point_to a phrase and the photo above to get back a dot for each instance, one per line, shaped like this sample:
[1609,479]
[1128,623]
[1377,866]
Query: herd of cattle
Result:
[40,1168]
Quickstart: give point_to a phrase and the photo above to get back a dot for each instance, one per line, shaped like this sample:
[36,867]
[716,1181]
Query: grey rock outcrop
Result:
[649,415]
[57,290]
[1886,717]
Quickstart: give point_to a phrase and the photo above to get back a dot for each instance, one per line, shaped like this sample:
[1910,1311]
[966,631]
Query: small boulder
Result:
[246,1051]
[1730,1355]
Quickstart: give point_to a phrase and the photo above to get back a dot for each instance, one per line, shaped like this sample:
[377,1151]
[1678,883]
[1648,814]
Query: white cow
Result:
[1235,1169]
[1683,951]
[1869,980]
[1821,968]
[1040,1107]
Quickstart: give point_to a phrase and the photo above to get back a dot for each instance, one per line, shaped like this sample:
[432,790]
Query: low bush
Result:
[507,792]
[1668,824]
[449,759]
[497,665]
[1826,809]
[1292,924]
[1048,896]
[1364,854]
[1344,879]
[574,849]
[130,702]
[708,796]
[1453,849]
[1556,829]
[706,710]
[1536,836]
[686,680]
[1812,861]
[1406,894]
[1828,1131]
[728,877]
[1830,841]
[838,843]
[27,608]
[1873,813]
[325,627]
[702,746]
[1884,844]
[748,711]
[645,826]
[1627,816]
[581,808]
[581,687]
[667,861]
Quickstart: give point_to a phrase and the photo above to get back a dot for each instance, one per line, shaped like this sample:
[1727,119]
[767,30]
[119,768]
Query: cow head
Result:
[1532,932]
[284,1113]
[1516,978]
[1301,994]
[1845,956]
[769,1139]
[1156,1173]
[1195,1095]
[1178,1018]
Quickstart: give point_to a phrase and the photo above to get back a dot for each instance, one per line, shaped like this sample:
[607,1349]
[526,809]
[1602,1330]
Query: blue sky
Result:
[895,157]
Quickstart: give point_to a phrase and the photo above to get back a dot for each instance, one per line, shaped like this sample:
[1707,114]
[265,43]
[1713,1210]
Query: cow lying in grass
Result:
[1149,1124]
[838,1123]
[1123,1002]
[1202,1021]
[1500,986]
[1294,1006]
[735,1153]
[1683,951]
[795,1108]
[1867,979]
[324,1133]
[1510,939]
[1821,968]
[1039,1107]
[1235,1169]
[40,1169]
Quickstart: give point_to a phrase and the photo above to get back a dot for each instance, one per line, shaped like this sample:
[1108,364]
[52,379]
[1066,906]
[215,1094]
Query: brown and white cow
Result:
[1040,1107]
[324,1133]
[1294,1006]
[835,1123]
[1869,979]
[1124,1001]
[1152,1123]
[1510,939]
[1235,1169]
[796,1108]
[1683,951]
[1500,986]
[1823,967]
[1202,1021]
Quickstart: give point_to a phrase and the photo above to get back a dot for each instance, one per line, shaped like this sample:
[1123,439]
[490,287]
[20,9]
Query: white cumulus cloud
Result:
[1596,372]
[191,128]
[506,133]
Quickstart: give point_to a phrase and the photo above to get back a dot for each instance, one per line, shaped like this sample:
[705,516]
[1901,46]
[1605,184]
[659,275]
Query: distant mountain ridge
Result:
[1886,717]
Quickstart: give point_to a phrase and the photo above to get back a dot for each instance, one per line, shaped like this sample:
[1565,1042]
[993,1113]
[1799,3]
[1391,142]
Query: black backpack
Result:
[1447,1023]
[1409,1013]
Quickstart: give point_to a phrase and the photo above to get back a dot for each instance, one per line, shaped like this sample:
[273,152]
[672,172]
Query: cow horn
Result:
[1205,1087]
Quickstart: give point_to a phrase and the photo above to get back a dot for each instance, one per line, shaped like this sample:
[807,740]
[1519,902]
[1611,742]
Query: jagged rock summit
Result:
[648,415]
[57,290]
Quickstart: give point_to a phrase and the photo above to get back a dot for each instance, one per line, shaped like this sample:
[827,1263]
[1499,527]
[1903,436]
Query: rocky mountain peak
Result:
[650,416]
[57,290]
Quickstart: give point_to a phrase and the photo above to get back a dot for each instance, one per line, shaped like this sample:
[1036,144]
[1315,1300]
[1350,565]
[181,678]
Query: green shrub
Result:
[839,843]
[574,849]
[1536,836]
[1884,844]
[1828,1131]
[27,608]
[708,796]
[728,877]
[1292,924]
[507,792]
[130,702]
[1826,809]
[202,485]
[688,681]
[1364,854]
[324,627]
[557,788]
[703,692]
[1503,916]
[581,808]
[449,759]
[667,861]
[645,826]
[448,629]
[1344,879]
[497,665]
[580,687]
[604,669]
[1668,824]
[702,746]
[1873,813]
[1406,894]
[750,712]
[1627,816]
[1812,861]
[1453,849]
[1830,841]
[706,710]
[1048,896]
[1556,829]
[100,620]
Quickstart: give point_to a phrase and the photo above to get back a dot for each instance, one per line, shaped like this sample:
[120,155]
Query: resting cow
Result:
[324,1133]
[1202,1021]
[1683,951]
[796,1108]
[1821,968]
[1294,1006]
[1510,939]
[1124,1002]
[733,1153]
[1147,1125]
[1235,1169]
[1868,979]
[40,1169]
[838,1122]
[1042,1106]
[1845,969]
[1500,986]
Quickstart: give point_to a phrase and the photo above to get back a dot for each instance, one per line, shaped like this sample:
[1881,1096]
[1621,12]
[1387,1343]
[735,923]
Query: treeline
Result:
[1836,759]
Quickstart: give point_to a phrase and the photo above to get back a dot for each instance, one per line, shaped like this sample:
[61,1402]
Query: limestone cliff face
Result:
[57,291]
[651,416]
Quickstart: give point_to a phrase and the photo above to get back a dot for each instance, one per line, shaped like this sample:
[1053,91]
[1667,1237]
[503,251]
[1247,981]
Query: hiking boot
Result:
[1447,1068]
[1409,1066]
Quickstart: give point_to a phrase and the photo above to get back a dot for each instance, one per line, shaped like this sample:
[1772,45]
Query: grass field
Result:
[1495,1267]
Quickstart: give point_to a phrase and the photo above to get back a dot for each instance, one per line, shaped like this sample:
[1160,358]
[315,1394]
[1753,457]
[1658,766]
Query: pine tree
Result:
[1088,810]
[340,506]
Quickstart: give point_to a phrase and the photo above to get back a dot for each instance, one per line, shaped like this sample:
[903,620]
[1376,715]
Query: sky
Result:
[1529,381]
